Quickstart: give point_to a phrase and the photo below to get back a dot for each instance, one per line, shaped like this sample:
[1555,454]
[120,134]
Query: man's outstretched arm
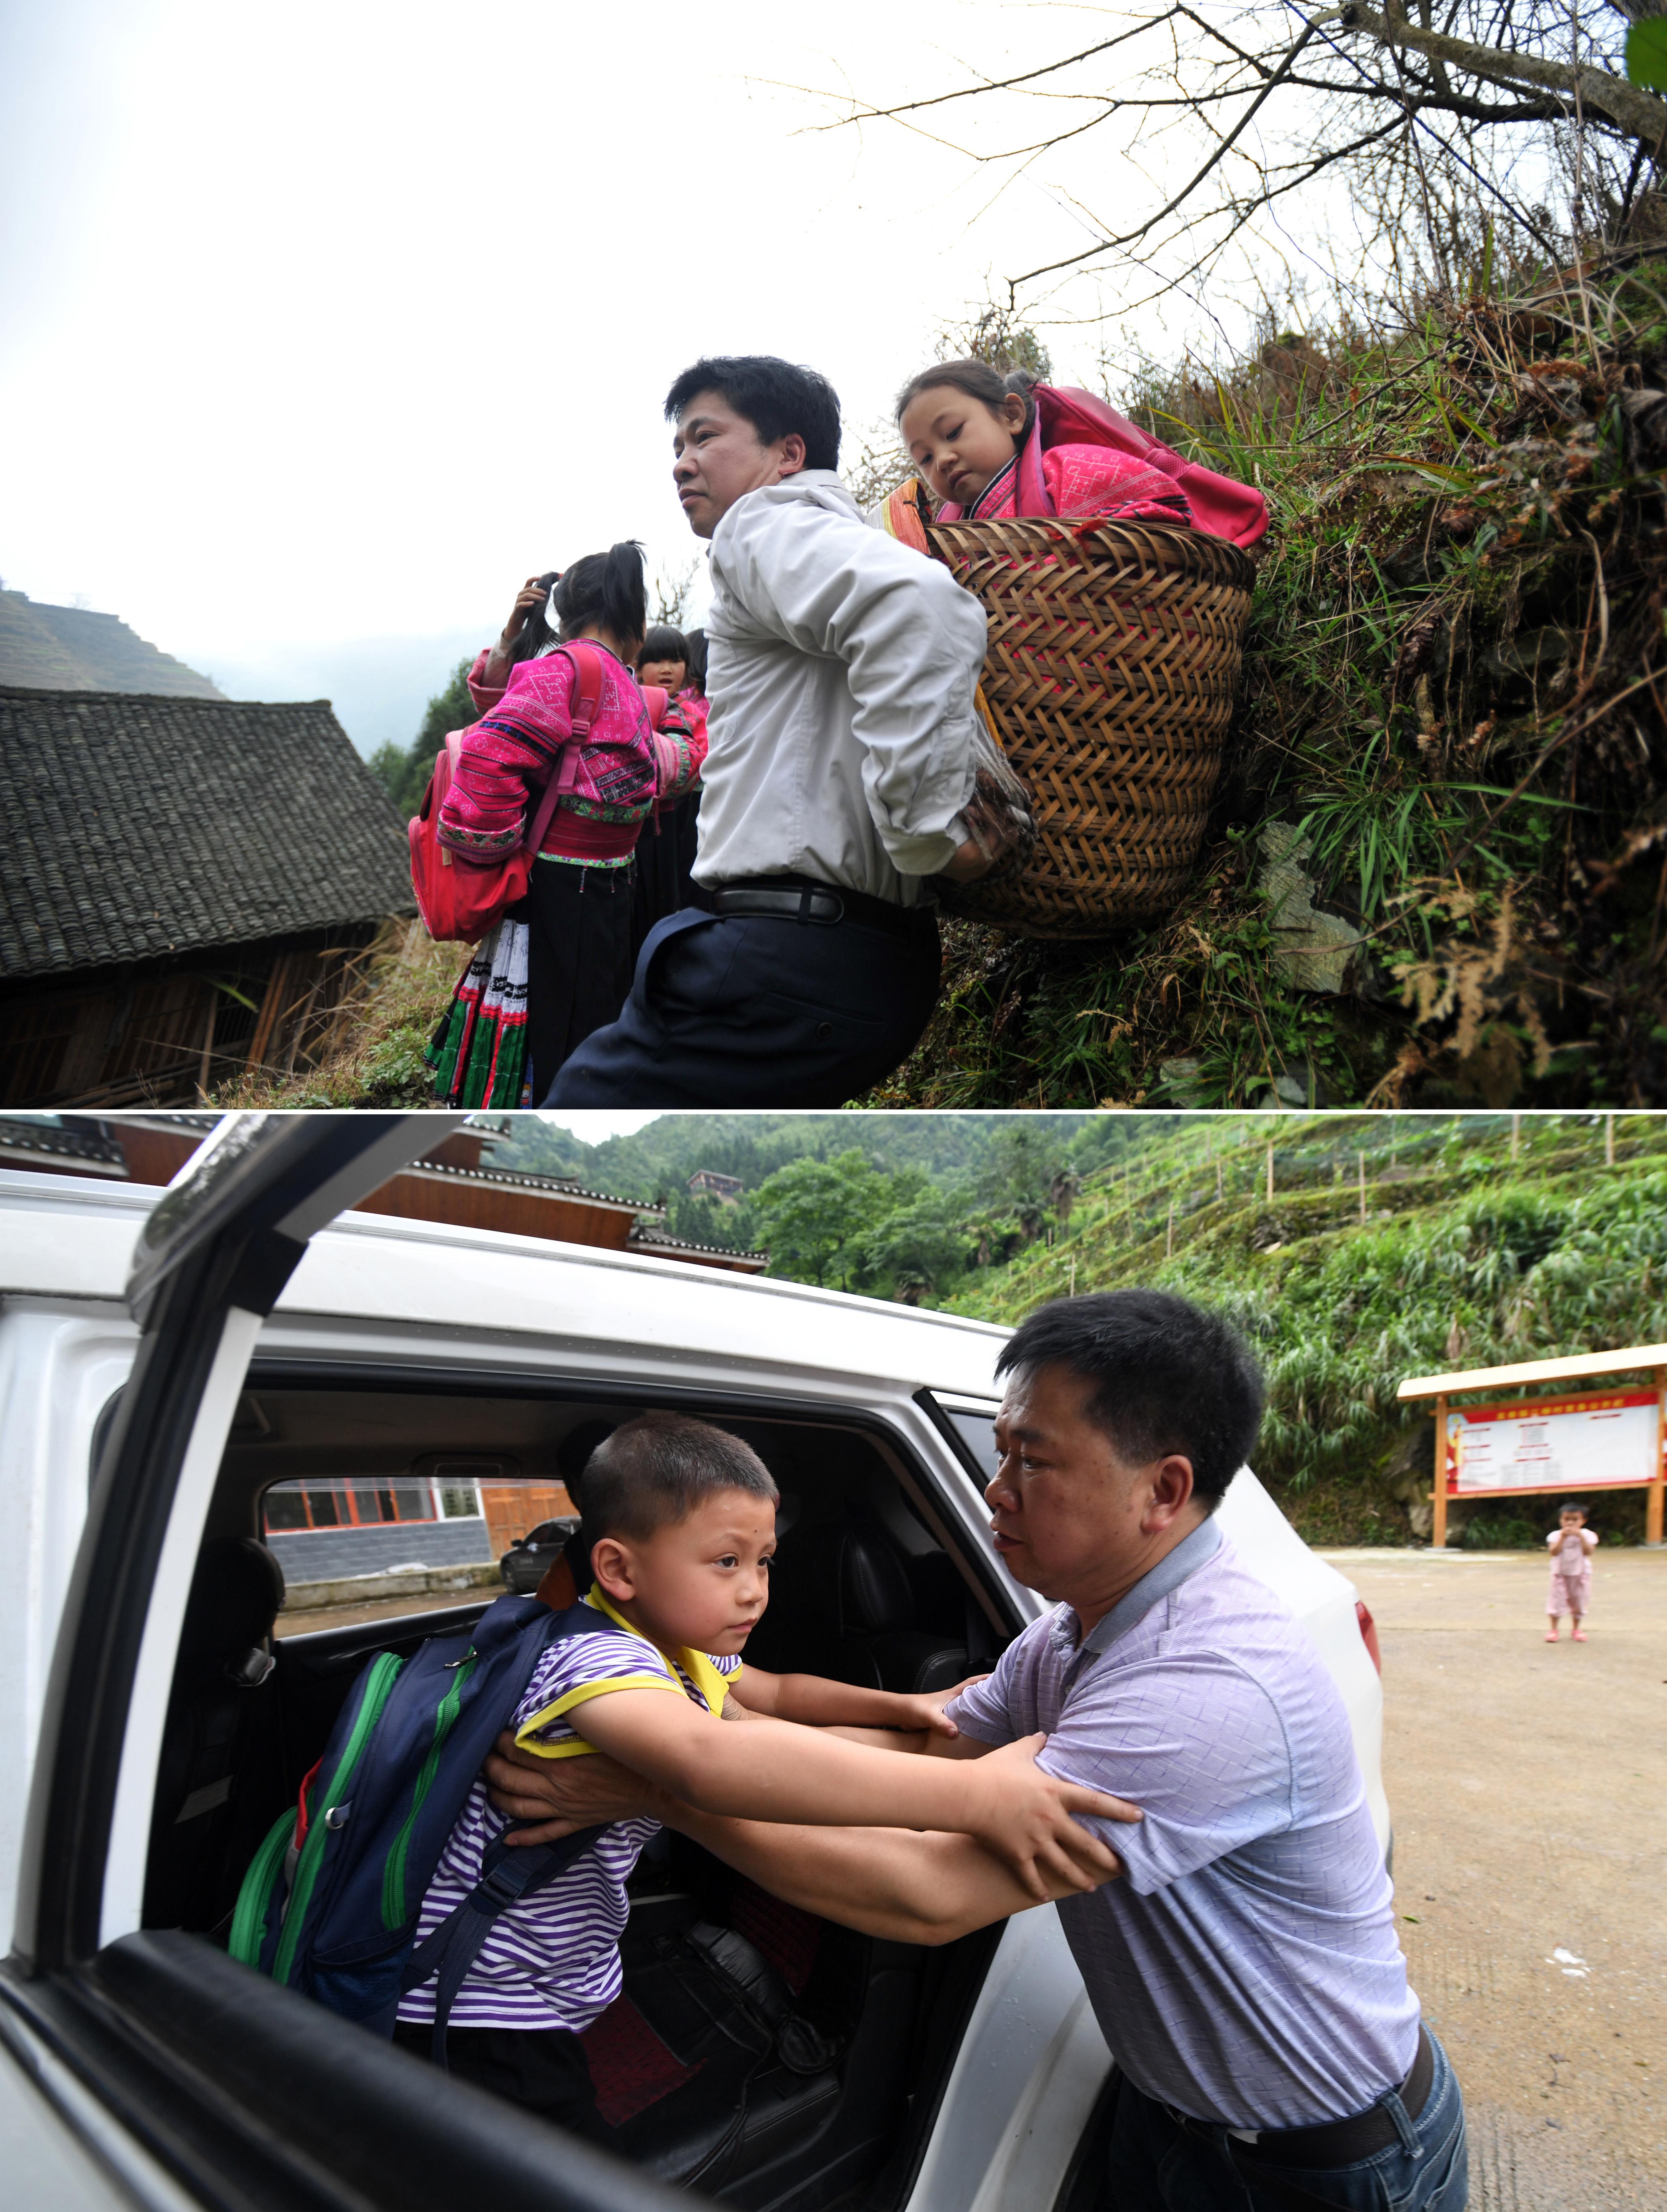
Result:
[891,1882]
[910,1888]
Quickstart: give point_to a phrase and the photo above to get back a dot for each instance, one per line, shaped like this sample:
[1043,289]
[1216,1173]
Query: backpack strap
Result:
[583,708]
[455,1945]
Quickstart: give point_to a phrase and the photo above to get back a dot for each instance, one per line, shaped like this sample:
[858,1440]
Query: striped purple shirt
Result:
[552,1960]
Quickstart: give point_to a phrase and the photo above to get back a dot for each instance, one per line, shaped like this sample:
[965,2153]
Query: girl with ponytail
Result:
[558,965]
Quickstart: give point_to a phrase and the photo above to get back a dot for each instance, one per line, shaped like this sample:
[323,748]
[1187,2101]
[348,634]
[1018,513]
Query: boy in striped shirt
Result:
[680,1518]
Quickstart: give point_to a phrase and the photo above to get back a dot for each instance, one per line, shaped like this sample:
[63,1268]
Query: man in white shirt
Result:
[842,676]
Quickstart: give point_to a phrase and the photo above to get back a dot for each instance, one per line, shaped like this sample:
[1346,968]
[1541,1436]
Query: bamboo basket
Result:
[1109,677]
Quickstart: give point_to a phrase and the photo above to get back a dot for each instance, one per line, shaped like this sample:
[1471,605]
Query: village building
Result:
[188,883]
[706,1181]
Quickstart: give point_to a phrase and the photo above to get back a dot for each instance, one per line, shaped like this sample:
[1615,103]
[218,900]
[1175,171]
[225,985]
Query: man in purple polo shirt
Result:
[1243,1963]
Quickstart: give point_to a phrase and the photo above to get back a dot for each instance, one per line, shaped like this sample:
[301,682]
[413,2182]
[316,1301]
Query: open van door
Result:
[191,2079]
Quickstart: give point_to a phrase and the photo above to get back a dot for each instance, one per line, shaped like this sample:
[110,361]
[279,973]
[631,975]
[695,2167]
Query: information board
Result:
[1608,1441]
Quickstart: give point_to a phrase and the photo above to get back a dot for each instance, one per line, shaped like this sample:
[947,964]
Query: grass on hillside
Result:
[1454,685]
[1467,1258]
[373,1056]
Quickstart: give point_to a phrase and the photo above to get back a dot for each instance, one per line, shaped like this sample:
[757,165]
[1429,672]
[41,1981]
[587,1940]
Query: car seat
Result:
[221,1730]
[844,1603]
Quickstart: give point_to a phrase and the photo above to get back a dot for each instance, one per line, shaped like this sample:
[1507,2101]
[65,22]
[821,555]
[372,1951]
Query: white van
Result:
[183,1374]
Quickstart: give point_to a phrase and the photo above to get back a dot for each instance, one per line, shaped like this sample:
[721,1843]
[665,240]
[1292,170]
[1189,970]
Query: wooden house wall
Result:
[164,1038]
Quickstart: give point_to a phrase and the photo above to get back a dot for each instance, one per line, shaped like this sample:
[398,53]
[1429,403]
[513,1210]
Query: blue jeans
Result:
[1158,2165]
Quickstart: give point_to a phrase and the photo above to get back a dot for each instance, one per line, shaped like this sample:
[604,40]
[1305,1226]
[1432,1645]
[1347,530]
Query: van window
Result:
[441,1514]
[977,1432]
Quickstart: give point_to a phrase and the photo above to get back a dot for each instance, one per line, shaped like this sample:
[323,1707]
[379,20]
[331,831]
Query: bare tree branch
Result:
[1441,117]
[1187,190]
[1640,115]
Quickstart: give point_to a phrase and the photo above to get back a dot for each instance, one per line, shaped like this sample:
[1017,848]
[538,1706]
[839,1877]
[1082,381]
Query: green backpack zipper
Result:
[381,1681]
[393,1874]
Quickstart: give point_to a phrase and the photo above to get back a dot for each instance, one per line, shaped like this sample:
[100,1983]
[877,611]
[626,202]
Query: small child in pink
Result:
[1571,1544]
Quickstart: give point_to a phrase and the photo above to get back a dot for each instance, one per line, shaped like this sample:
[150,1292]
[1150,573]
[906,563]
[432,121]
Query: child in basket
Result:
[992,448]
[1571,1544]
[966,427]
[681,1520]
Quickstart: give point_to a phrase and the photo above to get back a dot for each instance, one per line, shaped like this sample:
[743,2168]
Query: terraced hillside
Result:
[75,649]
[1388,1247]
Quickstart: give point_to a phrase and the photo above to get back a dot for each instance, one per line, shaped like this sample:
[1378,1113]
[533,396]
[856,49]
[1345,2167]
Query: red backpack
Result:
[461,901]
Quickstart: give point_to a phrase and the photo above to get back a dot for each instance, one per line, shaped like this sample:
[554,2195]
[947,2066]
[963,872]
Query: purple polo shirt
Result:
[1245,1969]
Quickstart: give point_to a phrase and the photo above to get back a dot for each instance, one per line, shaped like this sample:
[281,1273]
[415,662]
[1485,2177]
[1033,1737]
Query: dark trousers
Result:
[578,959]
[751,1009]
[655,890]
[545,2070]
[664,855]
[1159,2164]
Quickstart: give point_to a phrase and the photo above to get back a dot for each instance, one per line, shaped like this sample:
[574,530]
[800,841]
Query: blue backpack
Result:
[330,1904]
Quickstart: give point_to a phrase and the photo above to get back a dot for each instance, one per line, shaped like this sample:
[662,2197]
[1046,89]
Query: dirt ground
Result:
[1528,1790]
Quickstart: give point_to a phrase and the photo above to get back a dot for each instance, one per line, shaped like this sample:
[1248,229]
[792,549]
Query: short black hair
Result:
[1573,1505]
[657,1468]
[662,643]
[774,397]
[1165,1377]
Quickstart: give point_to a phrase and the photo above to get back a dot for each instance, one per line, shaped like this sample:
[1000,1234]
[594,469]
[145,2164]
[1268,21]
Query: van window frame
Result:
[276,1371]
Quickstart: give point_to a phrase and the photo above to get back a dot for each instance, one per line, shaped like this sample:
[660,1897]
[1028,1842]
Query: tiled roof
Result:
[548,1186]
[646,1239]
[27,1136]
[140,826]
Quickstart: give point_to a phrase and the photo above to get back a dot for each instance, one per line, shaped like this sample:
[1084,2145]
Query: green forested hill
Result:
[663,1156]
[1448,1253]
[1388,1245]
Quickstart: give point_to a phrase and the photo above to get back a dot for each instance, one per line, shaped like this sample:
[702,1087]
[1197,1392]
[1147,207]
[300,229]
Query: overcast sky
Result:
[326,324]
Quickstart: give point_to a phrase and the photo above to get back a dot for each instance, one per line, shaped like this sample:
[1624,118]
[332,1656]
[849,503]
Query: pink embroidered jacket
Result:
[1086,480]
[510,753]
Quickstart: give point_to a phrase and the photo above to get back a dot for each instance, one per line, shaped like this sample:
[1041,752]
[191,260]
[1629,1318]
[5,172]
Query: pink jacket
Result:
[1087,480]
[510,753]
[1069,422]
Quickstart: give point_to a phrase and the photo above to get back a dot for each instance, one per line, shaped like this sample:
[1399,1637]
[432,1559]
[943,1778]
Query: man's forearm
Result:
[881,1881]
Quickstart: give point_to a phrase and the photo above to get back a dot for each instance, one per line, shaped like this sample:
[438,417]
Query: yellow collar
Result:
[712,1685]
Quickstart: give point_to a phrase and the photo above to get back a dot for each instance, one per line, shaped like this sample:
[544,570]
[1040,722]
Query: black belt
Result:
[802,898]
[1334,2142]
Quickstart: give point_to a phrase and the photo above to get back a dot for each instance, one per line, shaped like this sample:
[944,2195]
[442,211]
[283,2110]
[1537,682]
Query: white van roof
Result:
[380,1268]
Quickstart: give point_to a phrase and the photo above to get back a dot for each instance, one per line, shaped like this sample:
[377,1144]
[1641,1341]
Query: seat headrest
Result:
[857,1582]
[234,1598]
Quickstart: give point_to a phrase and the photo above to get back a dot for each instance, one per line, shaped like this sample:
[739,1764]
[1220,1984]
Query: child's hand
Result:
[1026,1818]
[926,1711]
[528,600]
